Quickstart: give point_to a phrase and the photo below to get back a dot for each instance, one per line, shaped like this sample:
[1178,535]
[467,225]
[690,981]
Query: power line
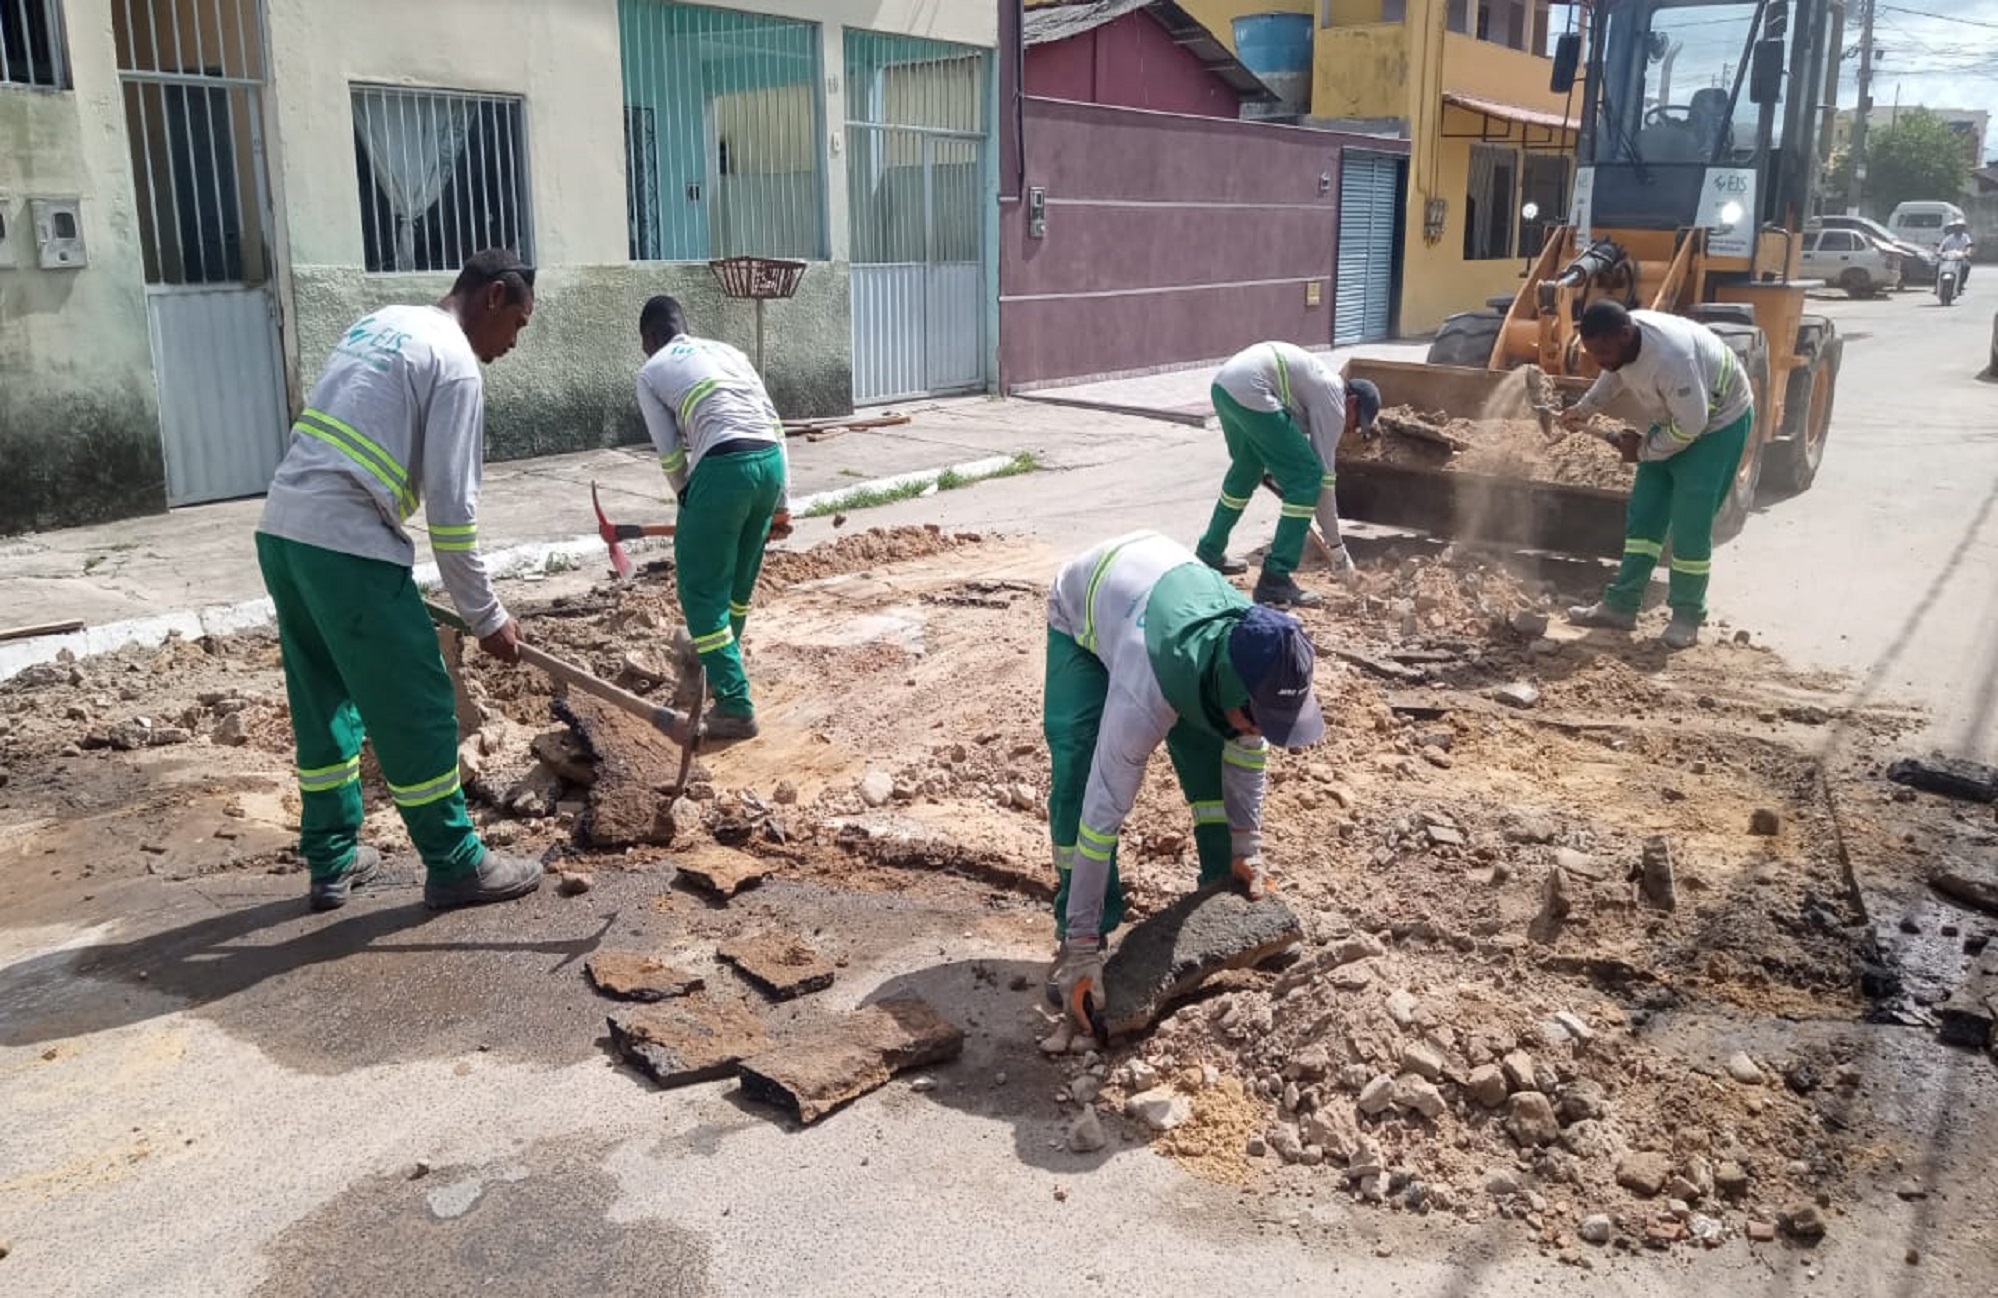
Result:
[1941,18]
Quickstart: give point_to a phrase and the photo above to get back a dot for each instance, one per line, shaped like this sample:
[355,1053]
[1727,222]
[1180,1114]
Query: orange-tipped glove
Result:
[1078,980]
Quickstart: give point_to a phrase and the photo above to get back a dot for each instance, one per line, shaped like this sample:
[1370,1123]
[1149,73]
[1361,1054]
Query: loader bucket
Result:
[1473,506]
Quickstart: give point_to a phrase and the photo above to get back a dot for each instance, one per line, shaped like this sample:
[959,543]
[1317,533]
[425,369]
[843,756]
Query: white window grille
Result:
[443,174]
[31,44]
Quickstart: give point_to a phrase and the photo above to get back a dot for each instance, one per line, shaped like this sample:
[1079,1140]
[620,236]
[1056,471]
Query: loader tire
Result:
[1751,348]
[1466,340]
[1791,466]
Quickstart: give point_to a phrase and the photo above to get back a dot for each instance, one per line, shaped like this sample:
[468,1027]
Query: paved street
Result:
[214,1127]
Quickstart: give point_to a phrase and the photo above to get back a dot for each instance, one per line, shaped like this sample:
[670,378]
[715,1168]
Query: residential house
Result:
[1969,125]
[198,196]
[1467,84]
[1145,225]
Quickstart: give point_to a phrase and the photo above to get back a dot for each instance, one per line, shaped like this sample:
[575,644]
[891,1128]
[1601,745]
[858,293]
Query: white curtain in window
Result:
[413,146]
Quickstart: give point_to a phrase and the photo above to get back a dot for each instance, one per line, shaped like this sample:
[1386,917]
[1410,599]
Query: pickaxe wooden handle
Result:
[666,721]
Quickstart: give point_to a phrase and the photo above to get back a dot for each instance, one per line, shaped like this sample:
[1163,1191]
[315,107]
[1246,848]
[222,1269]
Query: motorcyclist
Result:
[1956,238]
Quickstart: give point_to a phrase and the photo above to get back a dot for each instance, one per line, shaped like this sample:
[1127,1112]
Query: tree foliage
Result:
[1917,158]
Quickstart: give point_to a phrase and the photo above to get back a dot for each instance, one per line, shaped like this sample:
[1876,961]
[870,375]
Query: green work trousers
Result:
[361,661]
[1679,498]
[1077,684]
[1262,441]
[717,552]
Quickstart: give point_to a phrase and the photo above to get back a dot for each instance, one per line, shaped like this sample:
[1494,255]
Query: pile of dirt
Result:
[1499,448]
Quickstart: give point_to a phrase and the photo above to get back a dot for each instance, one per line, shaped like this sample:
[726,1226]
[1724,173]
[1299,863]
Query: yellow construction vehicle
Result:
[1686,208]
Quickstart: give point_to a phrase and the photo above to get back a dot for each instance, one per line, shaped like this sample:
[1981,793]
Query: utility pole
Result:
[1857,184]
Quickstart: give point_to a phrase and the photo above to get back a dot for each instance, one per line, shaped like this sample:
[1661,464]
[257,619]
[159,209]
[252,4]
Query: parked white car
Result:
[1922,222]
[1851,260]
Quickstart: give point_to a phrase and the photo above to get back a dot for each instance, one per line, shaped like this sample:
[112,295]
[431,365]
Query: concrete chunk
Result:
[630,976]
[844,1058]
[781,967]
[693,1040]
[633,763]
[1167,956]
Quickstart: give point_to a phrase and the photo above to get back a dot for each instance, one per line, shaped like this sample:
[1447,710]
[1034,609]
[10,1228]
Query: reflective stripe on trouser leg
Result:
[1276,442]
[1075,686]
[1646,519]
[1245,470]
[717,552]
[1702,478]
[367,655]
[1196,760]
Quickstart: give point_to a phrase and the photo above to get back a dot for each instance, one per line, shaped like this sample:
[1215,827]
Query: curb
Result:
[248,615]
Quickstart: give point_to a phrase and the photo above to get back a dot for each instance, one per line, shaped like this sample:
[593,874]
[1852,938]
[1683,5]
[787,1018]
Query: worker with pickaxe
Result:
[396,421]
[1149,646]
[1284,411]
[722,446]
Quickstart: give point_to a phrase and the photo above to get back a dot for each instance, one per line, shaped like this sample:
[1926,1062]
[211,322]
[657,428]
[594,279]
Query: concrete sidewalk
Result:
[195,569]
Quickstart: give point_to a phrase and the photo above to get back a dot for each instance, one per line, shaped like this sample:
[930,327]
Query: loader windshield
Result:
[1673,90]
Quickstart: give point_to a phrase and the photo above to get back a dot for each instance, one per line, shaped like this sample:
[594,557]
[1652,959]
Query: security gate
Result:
[192,72]
[916,141]
[1369,189]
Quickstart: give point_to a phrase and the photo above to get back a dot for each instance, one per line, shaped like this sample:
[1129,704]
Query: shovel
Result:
[616,534]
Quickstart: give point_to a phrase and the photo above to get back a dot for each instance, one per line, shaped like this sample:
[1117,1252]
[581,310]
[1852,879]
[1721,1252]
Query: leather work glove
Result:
[1078,980]
[1253,877]
[1342,565]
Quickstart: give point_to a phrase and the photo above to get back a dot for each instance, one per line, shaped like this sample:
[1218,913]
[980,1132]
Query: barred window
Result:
[442,175]
[31,52]
[722,129]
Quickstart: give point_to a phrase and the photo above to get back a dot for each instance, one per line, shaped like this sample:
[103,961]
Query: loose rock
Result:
[1160,1109]
[877,788]
[1520,694]
[1765,823]
[1655,875]
[1644,1173]
[1529,1118]
[1086,1136]
[233,731]
[573,883]
[1529,622]
[1419,1095]
[1742,1069]
[1487,1085]
[1595,1229]
[1377,1095]
[1805,1223]
[1519,1071]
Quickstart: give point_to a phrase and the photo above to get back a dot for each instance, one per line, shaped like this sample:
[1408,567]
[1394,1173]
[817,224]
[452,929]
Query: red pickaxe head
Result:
[615,534]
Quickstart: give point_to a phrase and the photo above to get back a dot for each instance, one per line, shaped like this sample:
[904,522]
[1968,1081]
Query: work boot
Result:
[1225,566]
[498,878]
[726,726]
[1279,590]
[332,893]
[1602,616]
[1680,634]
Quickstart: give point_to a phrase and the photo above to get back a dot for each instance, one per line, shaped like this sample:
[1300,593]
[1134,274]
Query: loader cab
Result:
[1701,113]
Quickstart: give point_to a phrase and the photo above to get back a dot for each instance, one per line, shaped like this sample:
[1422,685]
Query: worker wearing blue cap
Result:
[1148,645]
[1283,411]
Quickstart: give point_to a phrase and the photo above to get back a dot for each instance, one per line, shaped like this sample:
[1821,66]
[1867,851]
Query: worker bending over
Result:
[397,420]
[1147,645]
[722,446]
[1282,411]
[1684,376]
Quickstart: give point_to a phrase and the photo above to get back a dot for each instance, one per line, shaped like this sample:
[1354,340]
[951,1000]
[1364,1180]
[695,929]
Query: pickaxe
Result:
[615,534]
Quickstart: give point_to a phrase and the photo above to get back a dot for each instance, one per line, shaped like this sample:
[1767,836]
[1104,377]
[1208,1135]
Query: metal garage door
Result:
[915,187]
[1369,185]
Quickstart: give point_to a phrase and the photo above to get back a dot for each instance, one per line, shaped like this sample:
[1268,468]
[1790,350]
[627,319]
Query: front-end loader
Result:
[1693,207]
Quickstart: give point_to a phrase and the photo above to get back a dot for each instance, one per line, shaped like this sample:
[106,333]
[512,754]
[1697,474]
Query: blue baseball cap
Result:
[1272,654]
[1367,397]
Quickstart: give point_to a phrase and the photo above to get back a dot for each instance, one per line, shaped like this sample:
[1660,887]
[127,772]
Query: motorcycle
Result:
[1949,276]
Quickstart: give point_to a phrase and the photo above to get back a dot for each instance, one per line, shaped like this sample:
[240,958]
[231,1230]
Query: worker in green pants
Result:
[722,446]
[1702,410]
[1282,411]
[396,420]
[1147,646]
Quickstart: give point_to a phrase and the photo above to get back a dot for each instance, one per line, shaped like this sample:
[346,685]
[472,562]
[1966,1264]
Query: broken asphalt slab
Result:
[633,763]
[782,967]
[631,976]
[720,871]
[839,1060]
[1165,957]
[1949,776]
[697,1039]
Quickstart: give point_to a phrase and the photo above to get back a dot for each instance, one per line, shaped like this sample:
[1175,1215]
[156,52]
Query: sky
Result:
[1938,53]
